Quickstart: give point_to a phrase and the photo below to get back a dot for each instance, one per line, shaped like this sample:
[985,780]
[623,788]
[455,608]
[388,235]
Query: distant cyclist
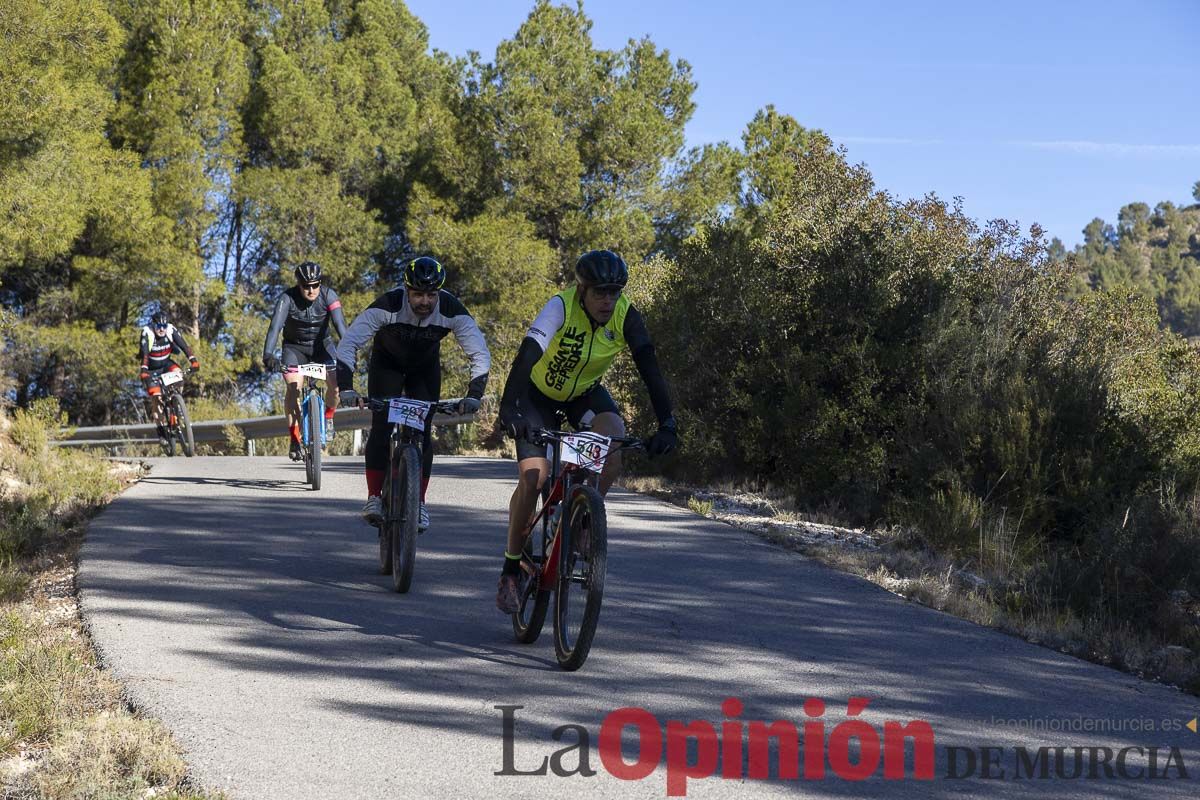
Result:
[158,342]
[407,326]
[304,313]
[557,371]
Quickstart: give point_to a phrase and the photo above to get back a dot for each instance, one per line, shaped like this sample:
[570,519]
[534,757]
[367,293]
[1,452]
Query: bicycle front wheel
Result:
[582,561]
[183,426]
[315,415]
[403,515]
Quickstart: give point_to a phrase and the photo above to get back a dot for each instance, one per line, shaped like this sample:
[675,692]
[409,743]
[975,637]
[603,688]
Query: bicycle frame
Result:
[401,488]
[562,478]
[163,396]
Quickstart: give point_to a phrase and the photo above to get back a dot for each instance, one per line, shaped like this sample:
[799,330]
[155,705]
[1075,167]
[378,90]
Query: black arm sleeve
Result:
[518,376]
[477,386]
[333,304]
[277,320]
[644,358]
[178,341]
[339,321]
[345,377]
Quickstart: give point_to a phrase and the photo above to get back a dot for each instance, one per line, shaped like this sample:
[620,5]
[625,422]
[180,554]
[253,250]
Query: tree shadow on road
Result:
[285,584]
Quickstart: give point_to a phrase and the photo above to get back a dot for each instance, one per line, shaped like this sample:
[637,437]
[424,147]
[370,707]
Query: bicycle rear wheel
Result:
[390,487]
[531,617]
[583,556]
[315,415]
[403,515]
[535,599]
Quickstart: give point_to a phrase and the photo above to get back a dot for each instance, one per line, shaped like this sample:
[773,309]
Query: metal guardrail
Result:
[345,419]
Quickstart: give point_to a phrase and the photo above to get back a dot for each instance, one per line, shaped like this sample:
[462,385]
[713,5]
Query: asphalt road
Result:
[245,612]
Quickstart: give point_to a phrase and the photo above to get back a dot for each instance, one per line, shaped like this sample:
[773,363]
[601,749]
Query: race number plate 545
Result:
[168,378]
[405,411]
[588,450]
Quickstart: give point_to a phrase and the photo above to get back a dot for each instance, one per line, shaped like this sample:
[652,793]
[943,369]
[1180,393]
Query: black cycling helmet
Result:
[159,320]
[601,268]
[308,272]
[424,274]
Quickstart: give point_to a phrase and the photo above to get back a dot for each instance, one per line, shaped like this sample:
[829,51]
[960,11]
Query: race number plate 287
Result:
[405,411]
[316,371]
[168,378]
[588,450]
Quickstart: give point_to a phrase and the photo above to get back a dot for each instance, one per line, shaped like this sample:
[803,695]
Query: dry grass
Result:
[65,729]
[129,756]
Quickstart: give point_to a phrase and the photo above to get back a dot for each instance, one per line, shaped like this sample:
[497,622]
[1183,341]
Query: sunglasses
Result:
[608,291]
[160,327]
[308,287]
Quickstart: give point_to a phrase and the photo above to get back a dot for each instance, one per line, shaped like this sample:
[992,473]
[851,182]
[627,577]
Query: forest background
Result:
[884,361]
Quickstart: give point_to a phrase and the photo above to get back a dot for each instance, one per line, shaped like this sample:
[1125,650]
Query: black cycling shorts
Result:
[544,412]
[387,377]
[316,353]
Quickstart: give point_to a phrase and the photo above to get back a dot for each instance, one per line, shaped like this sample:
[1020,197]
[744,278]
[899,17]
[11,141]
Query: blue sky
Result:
[1050,112]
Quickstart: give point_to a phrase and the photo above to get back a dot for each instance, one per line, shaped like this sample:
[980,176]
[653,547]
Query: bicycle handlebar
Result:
[438,406]
[547,436]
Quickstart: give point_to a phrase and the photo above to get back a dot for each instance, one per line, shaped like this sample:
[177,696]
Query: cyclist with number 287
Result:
[407,325]
[557,371]
[304,314]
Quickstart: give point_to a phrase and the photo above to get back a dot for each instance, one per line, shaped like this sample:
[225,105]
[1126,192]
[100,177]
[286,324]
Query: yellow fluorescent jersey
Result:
[576,355]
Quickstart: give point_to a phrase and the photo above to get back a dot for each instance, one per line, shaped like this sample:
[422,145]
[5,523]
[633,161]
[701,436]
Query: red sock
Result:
[374,482]
[424,487]
[329,412]
[295,431]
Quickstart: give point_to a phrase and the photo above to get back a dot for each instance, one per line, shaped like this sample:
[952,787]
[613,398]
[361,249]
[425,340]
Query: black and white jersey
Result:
[411,341]
[155,351]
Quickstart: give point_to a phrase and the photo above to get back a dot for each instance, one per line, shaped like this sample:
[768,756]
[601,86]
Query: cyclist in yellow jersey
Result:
[557,371]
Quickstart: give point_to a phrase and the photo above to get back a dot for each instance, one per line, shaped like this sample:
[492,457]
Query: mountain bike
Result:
[173,411]
[312,421]
[569,558]
[409,420]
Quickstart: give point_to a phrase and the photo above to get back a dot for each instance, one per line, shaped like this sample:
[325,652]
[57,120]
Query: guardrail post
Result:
[250,447]
[356,443]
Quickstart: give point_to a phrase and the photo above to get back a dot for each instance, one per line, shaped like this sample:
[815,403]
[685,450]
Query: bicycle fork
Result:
[305,438]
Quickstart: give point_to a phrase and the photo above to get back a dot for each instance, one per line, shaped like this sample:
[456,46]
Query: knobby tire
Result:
[183,425]
[581,570]
[404,516]
[535,599]
[315,416]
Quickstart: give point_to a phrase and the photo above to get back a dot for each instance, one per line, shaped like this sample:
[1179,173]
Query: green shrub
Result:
[894,359]
[35,426]
[56,485]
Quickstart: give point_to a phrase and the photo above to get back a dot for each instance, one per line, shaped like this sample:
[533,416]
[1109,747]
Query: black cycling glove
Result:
[664,440]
